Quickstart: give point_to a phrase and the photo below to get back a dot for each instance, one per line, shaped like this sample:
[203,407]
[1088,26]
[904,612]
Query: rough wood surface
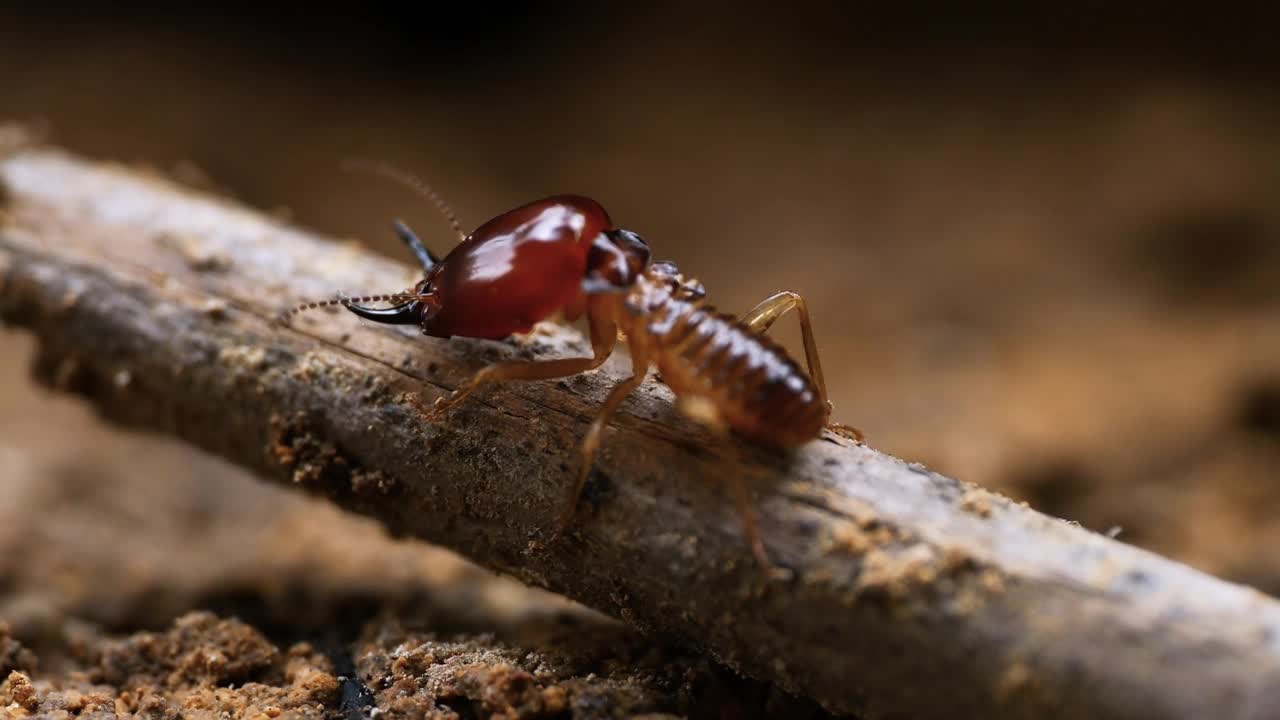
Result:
[911,594]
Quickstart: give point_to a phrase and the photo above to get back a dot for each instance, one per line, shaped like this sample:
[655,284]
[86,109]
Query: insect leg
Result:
[591,443]
[742,497]
[705,413]
[762,317]
[604,336]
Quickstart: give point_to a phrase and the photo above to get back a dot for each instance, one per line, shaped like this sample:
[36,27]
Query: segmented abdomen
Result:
[752,381]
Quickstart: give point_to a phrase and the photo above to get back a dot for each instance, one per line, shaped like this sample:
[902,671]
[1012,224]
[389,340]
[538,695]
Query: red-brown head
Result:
[523,266]
[516,270]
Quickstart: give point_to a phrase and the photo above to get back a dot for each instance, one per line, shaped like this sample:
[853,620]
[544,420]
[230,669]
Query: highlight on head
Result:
[616,259]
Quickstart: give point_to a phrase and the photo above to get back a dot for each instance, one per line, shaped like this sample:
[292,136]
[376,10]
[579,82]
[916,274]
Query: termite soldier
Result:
[563,254]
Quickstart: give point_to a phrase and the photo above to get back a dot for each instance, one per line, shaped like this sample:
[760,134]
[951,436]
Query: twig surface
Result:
[911,594]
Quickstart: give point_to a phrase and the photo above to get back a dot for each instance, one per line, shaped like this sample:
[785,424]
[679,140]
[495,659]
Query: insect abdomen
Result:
[751,380]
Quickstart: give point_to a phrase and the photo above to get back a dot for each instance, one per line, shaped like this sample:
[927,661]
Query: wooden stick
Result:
[910,594]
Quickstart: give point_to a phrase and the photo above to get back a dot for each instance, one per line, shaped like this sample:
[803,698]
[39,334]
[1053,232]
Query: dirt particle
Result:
[977,502]
[310,460]
[897,574]
[847,539]
[244,357]
[555,700]
[200,648]
[321,368]
[215,308]
[955,561]
[991,581]
[295,447]
[122,379]
[194,253]
[544,676]
[17,690]
[367,483]
[203,665]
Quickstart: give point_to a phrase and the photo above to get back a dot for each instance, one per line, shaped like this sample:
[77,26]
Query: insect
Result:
[563,255]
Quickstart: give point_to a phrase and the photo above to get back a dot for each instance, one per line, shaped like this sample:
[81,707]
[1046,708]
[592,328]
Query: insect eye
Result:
[627,239]
[693,290]
[665,268]
[631,246]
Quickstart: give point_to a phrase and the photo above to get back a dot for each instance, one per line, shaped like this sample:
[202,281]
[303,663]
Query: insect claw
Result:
[431,413]
[848,432]
[440,407]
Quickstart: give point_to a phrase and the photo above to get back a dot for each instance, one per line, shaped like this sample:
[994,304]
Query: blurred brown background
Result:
[1042,252]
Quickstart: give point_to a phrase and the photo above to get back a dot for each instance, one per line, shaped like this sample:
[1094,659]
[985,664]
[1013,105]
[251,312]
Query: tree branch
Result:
[912,594]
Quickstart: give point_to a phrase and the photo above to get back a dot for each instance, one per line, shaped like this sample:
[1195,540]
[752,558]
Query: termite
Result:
[562,256]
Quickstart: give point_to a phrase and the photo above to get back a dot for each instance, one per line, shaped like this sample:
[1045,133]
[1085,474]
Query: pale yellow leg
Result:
[591,443]
[604,336]
[742,497]
[705,413]
[764,315]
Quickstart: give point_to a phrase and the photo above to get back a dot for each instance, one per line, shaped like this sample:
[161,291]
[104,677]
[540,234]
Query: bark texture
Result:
[910,594]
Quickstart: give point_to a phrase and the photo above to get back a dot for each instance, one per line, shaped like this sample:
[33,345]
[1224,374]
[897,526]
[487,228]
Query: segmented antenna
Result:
[413,183]
[284,317]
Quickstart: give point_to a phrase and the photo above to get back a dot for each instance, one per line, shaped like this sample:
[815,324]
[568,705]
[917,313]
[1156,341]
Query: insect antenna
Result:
[414,183]
[284,317]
